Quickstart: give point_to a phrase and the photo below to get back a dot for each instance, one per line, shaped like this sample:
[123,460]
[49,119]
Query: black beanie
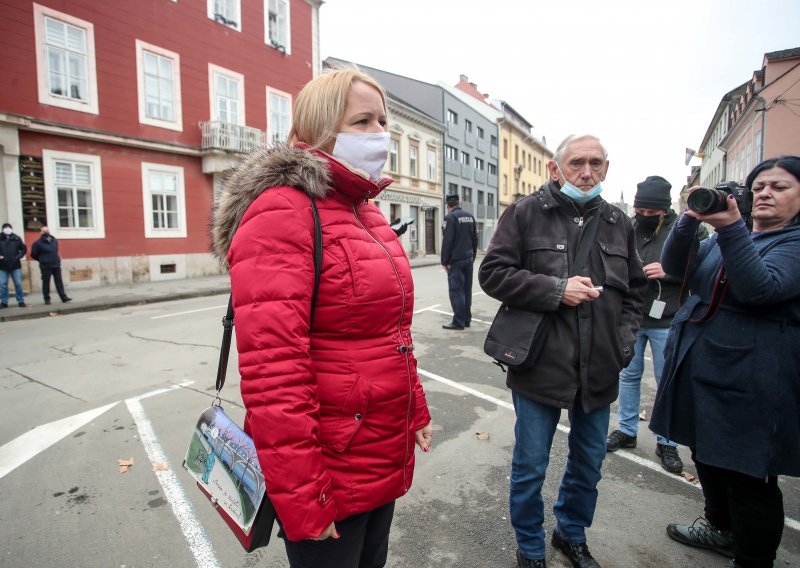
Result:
[653,193]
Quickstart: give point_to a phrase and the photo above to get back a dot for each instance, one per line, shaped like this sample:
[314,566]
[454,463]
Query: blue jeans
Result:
[459,282]
[577,496]
[16,276]
[630,379]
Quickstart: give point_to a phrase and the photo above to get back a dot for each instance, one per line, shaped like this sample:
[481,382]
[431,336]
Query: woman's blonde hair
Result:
[319,107]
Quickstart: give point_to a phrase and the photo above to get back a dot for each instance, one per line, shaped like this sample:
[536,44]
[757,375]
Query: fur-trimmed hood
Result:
[264,168]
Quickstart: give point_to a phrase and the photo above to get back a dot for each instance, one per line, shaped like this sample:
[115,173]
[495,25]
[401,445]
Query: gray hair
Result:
[572,138]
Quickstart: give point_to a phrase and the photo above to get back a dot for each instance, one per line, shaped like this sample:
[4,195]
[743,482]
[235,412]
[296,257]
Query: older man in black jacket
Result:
[595,314]
[45,250]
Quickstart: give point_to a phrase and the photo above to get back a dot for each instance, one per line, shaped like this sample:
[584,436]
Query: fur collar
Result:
[264,168]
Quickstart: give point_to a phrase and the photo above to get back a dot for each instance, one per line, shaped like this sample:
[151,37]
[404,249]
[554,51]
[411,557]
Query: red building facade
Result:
[118,122]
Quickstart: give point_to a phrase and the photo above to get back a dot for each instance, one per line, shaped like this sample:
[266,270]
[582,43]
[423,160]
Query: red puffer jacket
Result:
[332,410]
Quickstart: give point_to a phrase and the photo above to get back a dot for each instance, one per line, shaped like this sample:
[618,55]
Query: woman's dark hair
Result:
[789,163]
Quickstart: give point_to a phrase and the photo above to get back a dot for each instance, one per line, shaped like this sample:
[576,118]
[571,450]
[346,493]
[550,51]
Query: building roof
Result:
[728,98]
[783,54]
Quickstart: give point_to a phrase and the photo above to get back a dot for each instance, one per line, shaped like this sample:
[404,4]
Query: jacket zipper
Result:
[404,349]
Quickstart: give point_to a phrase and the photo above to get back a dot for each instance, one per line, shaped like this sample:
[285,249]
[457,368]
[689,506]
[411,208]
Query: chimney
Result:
[474,86]
[463,78]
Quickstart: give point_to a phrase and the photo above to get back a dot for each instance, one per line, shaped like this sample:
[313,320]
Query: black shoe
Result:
[618,439]
[3,306]
[22,305]
[670,460]
[66,299]
[577,552]
[523,562]
[701,534]
[452,326]
[47,302]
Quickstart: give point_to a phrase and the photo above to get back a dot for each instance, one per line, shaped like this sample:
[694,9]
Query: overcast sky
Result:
[645,76]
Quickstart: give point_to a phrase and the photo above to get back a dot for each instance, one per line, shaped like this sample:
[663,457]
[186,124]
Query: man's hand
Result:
[653,271]
[329,532]
[446,268]
[424,436]
[579,289]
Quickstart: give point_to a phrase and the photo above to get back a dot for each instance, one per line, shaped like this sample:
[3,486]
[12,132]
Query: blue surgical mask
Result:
[576,194]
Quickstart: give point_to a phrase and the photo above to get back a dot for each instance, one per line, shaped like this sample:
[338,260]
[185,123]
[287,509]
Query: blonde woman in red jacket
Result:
[334,406]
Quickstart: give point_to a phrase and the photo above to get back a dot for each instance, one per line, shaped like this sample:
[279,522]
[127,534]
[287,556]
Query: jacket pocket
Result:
[338,425]
[615,265]
[726,363]
[546,256]
[344,254]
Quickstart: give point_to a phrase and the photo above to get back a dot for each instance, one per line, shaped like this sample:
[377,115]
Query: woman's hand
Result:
[329,532]
[424,436]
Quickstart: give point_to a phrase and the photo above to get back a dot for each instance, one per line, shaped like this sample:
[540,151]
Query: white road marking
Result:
[188,312]
[21,449]
[428,308]
[182,508]
[791,523]
[451,314]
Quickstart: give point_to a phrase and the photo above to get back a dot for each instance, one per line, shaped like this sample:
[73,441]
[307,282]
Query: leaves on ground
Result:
[482,435]
[125,465]
[160,467]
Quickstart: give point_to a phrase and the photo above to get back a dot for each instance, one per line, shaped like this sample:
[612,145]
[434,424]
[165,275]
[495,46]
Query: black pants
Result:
[459,282]
[364,543]
[750,507]
[55,272]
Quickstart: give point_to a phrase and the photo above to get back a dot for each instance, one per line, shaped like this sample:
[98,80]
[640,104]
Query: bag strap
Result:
[227,321]
[587,238]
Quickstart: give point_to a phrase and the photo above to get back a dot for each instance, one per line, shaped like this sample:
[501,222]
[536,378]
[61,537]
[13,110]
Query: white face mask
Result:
[7,231]
[366,152]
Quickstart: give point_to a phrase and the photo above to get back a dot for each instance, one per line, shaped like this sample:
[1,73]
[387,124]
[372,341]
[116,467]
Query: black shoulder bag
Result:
[517,336]
[222,457]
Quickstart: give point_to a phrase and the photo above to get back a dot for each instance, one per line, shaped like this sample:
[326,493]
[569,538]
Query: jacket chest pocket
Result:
[343,253]
[546,256]
[615,265]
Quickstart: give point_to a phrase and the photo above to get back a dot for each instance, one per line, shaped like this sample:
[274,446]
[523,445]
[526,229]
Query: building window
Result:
[159,86]
[468,125]
[227,95]
[505,148]
[452,118]
[431,164]
[277,25]
[479,164]
[505,184]
[412,161]
[452,189]
[65,60]
[490,199]
[279,113]
[530,169]
[394,155]
[480,197]
[74,195]
[480,133]
[467,194]
[226,12]
[164,201]
[465,158]
[516,154]
[492,169]
[450,153]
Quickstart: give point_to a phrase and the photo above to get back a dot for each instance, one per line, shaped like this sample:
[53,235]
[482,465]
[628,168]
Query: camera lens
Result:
[704,200]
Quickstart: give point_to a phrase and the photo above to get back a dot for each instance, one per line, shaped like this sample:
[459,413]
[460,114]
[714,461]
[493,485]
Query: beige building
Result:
[415,165]
[523,157]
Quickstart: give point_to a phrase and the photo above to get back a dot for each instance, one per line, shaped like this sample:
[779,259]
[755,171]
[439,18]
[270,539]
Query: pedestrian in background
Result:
[333,399]
[45,251]
[12,250]
[591,338]
[653,219]
[730,389]
[459,248]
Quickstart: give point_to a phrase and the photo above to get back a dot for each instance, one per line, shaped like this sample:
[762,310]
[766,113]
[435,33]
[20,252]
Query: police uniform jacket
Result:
[460,240]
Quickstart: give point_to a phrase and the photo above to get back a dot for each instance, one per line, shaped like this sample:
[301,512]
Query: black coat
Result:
[527,265]
[460,241]
[12,249]
[45,250]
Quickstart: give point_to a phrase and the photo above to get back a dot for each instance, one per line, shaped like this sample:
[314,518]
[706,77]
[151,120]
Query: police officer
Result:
[459,247]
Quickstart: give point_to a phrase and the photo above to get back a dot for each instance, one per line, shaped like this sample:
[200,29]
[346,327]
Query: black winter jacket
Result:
[45,250]
[12,250]
[527,265]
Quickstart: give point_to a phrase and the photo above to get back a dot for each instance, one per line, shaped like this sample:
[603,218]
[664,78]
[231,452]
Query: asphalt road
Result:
[82,391]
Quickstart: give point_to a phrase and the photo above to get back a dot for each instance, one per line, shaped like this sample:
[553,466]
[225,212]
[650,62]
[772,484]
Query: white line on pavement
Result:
[182,508]
[451,313]
[791,523]
[188,312]
[428,308]
[18,451]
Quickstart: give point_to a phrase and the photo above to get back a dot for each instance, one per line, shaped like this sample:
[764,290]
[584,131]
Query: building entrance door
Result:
[430,231]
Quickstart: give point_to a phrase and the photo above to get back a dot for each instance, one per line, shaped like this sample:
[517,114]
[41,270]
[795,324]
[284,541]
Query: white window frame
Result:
[270,125]
[413,160]
[394,155]
[431,164]
[213,70]
[49,157]
[150,231]
[43,68]
[287,47]
[176,124]
[237,4]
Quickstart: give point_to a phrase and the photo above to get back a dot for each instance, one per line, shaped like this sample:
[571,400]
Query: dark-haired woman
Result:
[731,386]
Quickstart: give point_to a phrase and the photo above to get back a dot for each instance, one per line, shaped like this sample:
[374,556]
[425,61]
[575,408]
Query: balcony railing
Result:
[231,137]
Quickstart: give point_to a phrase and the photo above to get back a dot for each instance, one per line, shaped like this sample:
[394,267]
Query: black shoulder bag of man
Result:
[517,336]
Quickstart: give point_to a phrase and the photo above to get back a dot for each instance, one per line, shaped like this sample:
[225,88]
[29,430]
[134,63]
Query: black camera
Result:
[708,201]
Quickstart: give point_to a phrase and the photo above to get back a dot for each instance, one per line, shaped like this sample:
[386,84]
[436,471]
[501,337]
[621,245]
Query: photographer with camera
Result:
[730,388]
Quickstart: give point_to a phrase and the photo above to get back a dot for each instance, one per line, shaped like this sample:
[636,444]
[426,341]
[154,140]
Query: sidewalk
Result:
[106,297]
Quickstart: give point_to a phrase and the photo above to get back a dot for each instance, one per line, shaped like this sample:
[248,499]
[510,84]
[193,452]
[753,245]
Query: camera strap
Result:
[720,287]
